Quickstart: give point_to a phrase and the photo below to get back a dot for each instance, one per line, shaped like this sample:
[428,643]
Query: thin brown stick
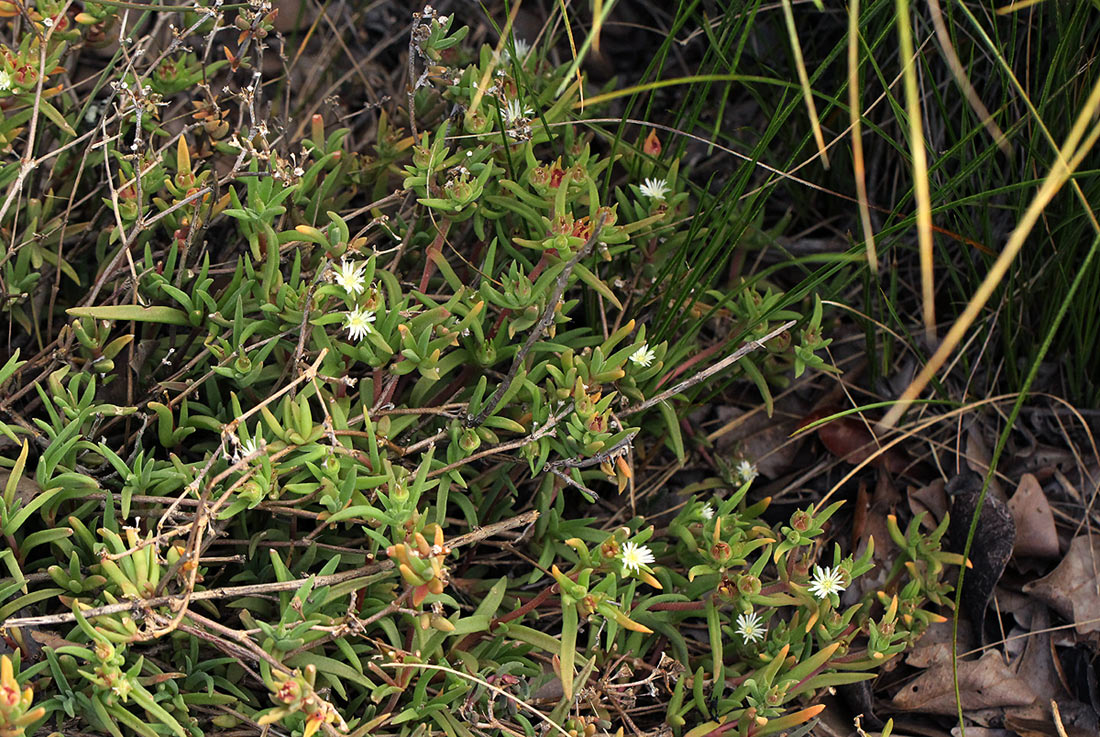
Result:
[706,373]
[505,447]
[227,592]
[540,327]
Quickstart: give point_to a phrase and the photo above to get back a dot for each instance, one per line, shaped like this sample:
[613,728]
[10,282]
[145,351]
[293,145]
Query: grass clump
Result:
[338,430]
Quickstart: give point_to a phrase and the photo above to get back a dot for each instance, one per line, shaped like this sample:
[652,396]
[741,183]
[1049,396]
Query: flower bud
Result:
[748,585]
[469,440]
[721,552]
[442,624]
[801,520]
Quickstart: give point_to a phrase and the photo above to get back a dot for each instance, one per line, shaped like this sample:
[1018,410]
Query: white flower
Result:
[514,112]
[522,49]
[643,356]
[746,471]
[707,511]
[635,556]
[250,446]
[358,323]
[654,188]
[750,627]
[827,581]
[5,80]
[350,276]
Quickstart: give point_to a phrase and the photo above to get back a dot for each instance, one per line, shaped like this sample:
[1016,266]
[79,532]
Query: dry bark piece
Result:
[983,684]
[1072,589]
[990,550]
[1036,535]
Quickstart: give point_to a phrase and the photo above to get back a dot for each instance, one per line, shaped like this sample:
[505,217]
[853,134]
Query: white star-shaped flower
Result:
[249,446]
[827,581]
[350,276]
[643,356]
[514,112]
[522,49]
[750,627]
[746,471]
[635,556]
[5,80]
[707,511]
[358,323]
[654,188]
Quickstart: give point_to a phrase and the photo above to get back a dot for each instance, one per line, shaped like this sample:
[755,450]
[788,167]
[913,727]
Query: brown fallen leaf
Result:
[983,684]
[1042,460]
[977,460]
[761,439]
[1037,661]
[1071,589]
[45,638]
[869,523]
[850,440]
[1077,720]
[1036,536]
[1023,609]
[934,647]
[26,488]
[931,499]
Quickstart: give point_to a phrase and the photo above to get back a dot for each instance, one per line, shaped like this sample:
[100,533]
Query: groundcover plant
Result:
[308,426]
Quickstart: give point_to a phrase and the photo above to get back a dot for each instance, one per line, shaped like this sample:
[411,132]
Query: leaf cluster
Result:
[246,428]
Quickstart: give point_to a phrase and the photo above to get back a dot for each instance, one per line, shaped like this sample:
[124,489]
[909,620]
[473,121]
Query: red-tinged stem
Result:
[535,602]
[723,728]
[496,326]
[700,356]
[435,248]
[540,265]
[814,673]
[736,681]
[677,606]
[377,380]
[452,388]
[541,598]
